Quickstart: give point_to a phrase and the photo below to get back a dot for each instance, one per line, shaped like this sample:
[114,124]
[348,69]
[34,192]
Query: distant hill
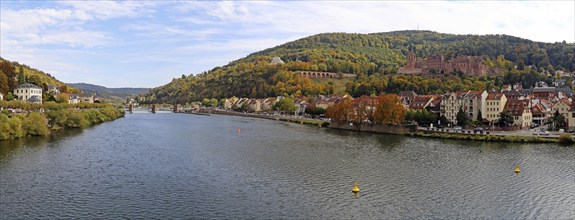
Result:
[375,59]
[105,92]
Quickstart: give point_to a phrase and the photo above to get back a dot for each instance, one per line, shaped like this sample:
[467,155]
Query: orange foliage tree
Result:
[389,110]
[341,111]
[363,111]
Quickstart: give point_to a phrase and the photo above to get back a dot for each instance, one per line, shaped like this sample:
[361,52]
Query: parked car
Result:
[478,129]
[544,133]
[457,128]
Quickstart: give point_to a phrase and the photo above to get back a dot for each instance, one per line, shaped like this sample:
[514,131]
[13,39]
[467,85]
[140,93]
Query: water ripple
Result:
[173,166]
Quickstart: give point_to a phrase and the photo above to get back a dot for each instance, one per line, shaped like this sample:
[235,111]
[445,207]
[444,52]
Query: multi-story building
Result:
[495,103]
[562,106]
[29,92]
[449,107]
[521,112]
[470,102]
[473,103]
[539,114]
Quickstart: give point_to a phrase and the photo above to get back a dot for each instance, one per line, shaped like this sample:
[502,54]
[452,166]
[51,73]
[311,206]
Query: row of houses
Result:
[266,104]
[528,107]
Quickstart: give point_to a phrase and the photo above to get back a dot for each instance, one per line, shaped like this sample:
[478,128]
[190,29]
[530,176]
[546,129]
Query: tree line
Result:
[41,119]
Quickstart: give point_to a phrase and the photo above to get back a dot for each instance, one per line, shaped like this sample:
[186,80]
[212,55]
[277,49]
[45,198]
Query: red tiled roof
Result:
[494,96]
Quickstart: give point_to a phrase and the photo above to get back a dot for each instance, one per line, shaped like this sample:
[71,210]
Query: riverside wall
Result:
[375,128]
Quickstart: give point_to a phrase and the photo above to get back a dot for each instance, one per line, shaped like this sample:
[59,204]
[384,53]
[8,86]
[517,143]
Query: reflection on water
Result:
[189,166]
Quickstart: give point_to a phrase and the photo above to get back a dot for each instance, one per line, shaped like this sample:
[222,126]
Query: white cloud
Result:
[110,9]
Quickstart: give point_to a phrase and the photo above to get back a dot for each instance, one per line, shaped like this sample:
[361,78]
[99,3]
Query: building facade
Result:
[521,112]
[495,103]
[28,92]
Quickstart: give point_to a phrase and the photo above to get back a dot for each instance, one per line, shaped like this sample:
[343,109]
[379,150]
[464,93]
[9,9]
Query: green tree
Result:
[10,127]
[75,119]
[558,120]
[462,119]
[479,117]
[213,102]
[35,124]
[505,118]
[443,120]
[35,79]
[206,102]
[21,76]
[285,104]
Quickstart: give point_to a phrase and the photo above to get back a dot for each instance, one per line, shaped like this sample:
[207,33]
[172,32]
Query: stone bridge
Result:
[312,74]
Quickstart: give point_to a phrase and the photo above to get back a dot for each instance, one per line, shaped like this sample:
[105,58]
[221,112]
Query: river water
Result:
[173,166]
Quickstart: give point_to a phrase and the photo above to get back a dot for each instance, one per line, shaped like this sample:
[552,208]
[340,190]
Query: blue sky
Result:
[147,43]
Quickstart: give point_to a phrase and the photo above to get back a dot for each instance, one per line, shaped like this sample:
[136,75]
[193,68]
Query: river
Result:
[172,166]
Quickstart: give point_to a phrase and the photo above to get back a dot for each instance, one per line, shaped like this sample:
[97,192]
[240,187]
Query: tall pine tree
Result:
[21,77]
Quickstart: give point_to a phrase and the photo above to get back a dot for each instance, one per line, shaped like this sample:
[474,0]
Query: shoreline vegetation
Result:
[20,119]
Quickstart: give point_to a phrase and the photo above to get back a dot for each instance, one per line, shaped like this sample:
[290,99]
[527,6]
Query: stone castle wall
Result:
[470,65]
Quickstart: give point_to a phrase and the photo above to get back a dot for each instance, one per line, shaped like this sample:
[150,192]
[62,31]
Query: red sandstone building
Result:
[436,64]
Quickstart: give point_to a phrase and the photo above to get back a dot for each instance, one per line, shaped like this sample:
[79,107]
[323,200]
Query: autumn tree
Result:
[340,111]
[63,89]
[389,110]
[362,110]
[62,98]
[8,81]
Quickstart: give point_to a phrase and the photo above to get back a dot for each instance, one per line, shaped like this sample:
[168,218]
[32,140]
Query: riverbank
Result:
[409,130]
[49,117]
[490,138]
[304,121]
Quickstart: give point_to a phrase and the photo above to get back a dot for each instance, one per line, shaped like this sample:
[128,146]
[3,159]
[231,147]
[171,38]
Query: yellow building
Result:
[495,103]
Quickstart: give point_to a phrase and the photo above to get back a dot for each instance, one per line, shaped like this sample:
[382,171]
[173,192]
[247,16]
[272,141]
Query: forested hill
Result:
[109,92]
[9,77]
[375,59]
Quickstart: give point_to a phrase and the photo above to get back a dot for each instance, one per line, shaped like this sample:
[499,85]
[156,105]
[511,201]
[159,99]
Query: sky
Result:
[148,43]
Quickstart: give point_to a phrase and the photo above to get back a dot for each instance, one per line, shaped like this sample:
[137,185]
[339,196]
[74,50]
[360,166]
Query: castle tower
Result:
[411,59]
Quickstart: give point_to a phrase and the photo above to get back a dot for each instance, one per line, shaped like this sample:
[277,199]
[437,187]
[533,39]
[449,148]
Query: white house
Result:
[29,92]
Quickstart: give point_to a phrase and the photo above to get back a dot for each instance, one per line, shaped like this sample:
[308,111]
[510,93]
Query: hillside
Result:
[32,75]
[374,58]
[109,92]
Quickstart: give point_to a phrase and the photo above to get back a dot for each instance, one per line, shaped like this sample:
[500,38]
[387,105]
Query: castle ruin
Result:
[436,64]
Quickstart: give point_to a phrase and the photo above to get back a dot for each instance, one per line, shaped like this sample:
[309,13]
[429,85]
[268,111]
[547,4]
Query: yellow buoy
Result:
[517,170]
[355,188]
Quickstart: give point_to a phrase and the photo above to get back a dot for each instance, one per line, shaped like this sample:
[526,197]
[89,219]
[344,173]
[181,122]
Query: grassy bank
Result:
[513,139]
[306,121]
